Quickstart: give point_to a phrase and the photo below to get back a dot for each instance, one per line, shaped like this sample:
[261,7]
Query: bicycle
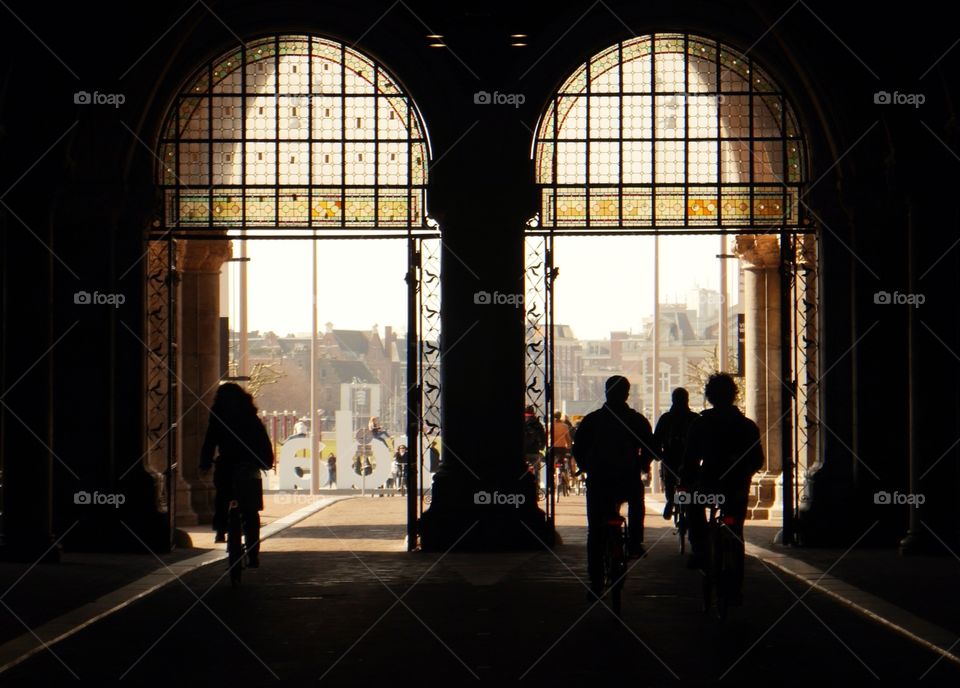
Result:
[236,550]
[615,560]
[724,561]
[680,526]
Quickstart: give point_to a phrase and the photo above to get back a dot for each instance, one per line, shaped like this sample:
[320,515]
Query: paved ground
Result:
[34,594]
[337,598]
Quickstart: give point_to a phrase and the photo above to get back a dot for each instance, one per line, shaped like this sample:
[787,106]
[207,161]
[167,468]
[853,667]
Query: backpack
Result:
[676,440]
[534,436]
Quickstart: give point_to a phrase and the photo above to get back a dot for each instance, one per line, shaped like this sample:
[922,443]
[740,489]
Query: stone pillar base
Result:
[764,501]
[195,504]
[467,515]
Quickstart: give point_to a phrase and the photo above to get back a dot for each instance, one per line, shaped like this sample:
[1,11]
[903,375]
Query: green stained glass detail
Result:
[201,84]
[604,72]
[359,74]
[637,48]
[262,49]
[295,46]
[576,83]
[327,49]
[761,82]
[294,207]
[385,84]
[734,74]
[226,67]
[669,43]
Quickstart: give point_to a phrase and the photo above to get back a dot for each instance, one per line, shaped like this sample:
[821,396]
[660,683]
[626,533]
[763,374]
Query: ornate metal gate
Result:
[160,380]
[538,351]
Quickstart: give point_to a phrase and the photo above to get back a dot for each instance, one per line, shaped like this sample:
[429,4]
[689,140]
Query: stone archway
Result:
[675,133]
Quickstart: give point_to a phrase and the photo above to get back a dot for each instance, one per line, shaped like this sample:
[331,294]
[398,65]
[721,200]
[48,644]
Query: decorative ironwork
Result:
[430,351]
[160,381]
[806,359]
[535,303]
[669,131]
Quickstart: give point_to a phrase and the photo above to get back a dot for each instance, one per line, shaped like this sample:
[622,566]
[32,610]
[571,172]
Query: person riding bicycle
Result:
[534,441]
[614,445]
[671,441]
[723,452]
[243,450]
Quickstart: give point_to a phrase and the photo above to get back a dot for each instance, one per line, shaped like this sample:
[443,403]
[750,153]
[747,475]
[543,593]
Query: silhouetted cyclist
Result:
[243,449]
[723,452]
[670,438]
[614,446]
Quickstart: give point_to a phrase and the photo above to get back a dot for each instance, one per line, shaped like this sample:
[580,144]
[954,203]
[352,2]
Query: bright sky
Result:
[604,283]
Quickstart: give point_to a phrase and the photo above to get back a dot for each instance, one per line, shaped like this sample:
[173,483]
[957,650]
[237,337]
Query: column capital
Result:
[758,250]
[203,255]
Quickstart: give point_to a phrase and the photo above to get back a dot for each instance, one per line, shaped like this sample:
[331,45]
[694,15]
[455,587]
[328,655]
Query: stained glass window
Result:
[669,131]
[293,132]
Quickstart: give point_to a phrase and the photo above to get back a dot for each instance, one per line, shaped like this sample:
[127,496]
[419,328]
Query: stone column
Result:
[199,370]
[760,255]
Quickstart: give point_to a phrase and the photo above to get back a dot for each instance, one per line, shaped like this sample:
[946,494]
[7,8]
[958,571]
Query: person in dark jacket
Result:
[243,449]
[670,438]
[723,452]
[614,445]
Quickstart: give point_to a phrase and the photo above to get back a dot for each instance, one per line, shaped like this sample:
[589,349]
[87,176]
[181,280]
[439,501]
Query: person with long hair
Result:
[243,450]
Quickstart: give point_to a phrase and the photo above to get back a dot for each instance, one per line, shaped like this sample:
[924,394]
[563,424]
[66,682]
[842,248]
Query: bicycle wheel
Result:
[235,544]
[680,523]
[615,564]
[711,570]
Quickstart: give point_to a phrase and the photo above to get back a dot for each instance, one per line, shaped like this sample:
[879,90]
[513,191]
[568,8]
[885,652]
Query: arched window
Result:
[293,132]
[669,131]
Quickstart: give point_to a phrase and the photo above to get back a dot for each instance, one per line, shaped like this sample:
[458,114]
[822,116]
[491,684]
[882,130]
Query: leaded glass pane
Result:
[669,130]
[294,132]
